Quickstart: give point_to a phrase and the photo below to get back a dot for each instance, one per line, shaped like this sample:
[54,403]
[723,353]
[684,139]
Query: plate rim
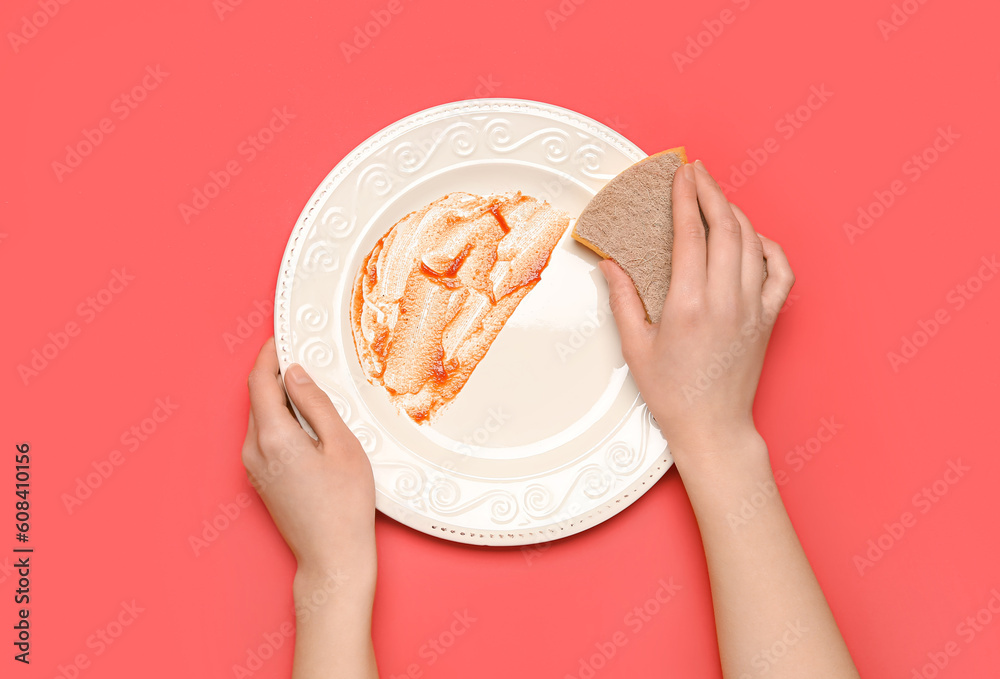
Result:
[390,506]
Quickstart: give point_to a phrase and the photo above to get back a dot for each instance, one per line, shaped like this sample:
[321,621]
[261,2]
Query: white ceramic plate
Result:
[549,436]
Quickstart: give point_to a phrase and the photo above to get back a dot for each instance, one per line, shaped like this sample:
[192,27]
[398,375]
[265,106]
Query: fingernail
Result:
[701,166]
[298,374]
[688,172]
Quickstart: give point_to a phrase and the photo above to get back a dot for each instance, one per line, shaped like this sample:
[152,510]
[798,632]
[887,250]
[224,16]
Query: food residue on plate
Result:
[437,288]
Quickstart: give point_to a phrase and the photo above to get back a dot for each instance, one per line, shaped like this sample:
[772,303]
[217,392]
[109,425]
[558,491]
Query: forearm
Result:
[333,625]
[771,615]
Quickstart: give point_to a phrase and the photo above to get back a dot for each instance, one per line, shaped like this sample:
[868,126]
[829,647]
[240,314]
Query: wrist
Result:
[730,453]
[724,485]
[351,582]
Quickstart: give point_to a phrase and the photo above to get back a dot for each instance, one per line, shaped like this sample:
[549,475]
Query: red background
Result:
[537,613]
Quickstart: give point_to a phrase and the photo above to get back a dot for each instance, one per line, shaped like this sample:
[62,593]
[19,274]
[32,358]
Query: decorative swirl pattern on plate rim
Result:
[419,501]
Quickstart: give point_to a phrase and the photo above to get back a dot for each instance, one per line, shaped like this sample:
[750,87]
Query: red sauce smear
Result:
[379,345]
[396,358]
[452,269]
[495,211]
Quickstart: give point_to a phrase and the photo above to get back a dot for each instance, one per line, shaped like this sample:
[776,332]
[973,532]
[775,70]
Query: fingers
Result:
[725,239]
[629,313]
[780,278]
[752,275]
[267,396]
[314,405]
[688,260]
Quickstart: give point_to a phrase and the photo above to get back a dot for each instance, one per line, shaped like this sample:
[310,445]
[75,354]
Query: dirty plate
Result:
[549,436]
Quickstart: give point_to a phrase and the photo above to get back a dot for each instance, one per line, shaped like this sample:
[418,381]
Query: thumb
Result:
[314,404]
[630,314]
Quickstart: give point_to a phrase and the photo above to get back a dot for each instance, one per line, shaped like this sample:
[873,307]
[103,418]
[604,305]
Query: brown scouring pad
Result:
[630,221]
